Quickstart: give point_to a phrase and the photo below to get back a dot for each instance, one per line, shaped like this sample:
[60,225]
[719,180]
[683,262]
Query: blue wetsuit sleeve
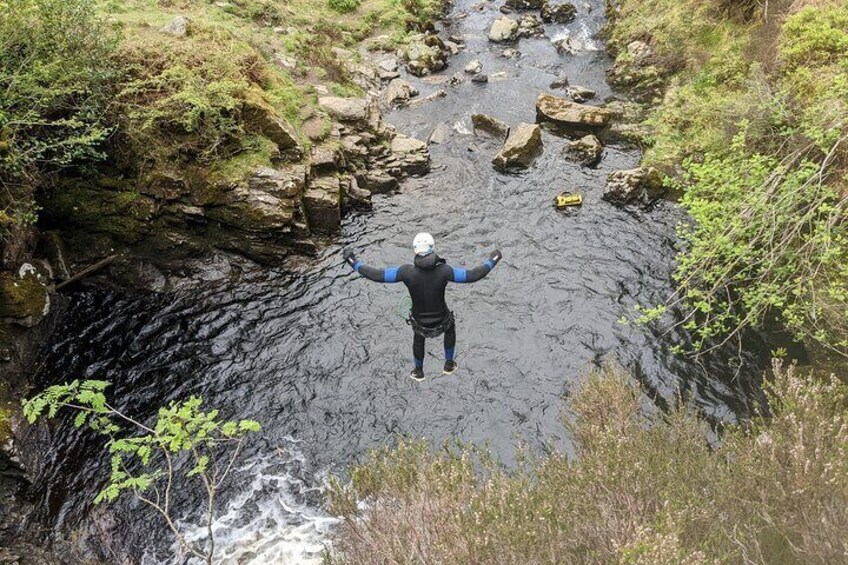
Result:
[387,275]
[459,275]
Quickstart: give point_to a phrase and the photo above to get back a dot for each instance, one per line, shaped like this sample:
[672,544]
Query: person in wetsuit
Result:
[426,280]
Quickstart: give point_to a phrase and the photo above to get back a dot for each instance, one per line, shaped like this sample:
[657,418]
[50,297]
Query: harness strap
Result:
[431,331]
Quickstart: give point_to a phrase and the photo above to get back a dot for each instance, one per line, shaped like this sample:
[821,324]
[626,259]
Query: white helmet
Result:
[423,244]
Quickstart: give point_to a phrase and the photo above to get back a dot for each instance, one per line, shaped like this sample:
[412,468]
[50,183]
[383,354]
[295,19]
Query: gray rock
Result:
[284,62]
[639,52]
[480,79]
[387,76]
[474,67]
[456,79]
[288,182]
[424,54]
[489,125]
[441,93]
[569,46]
[561,82]
[378,181]
[404,144]
[453,47]
[324,159]
[587,150]
[521,147]
[503,29]
[346,109]
[524,4]
[510,53]
[354,195]
[530,26]
[178,27]
[389,65]
[558,13]
[399,92]
[440,134]
[571,115]
[322,201]
[640,184]
[580,93]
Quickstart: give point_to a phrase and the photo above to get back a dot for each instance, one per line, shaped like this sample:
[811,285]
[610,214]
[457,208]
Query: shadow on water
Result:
[320,356]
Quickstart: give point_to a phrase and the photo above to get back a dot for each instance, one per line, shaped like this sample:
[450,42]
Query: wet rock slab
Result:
[521,147]
[570,115]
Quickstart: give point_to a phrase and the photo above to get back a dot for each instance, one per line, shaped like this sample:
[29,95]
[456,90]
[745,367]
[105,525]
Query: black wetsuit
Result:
[426,281]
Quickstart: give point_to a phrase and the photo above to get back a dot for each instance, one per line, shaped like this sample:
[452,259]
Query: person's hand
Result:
[349,257]
[495,256]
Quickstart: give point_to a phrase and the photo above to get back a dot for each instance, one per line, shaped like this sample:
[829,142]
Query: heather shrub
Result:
[644,488]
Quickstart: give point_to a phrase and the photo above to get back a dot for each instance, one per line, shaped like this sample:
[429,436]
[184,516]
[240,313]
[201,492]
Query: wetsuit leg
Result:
[418,350]
[450,342]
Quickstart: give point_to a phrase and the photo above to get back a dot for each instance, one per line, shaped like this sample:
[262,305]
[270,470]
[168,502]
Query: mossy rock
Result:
[24,300]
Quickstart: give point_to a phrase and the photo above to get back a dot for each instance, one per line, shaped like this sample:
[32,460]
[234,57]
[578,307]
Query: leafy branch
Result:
[144,459]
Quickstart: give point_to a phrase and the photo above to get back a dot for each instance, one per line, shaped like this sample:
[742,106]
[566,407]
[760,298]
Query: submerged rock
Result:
[569,46]
[503,29]
[640,184]
[480,78]
[561,82]
[587,150]
[521,147]
[489,125]
[571,115]
[558,13]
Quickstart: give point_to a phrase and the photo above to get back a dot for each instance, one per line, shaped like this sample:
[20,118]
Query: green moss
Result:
[258,152]
[22,297]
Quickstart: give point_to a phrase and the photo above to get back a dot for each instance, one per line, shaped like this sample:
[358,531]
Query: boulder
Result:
[322,201]
[569,46]
[440,134]
[639,51]
[530,26]
[273,126]
[178,27]
[503,29]
[250,209]
[558,13]
[480,79]
[284,62]
[571,115]
[521,147]
[378,181]
[587,150]
[561,82]
[412,155]
[346,109]
[580,93]
[24,296]
[510,53]
[474,67]
[354,196]
[399,92]
[325,158]
[524,4]
[424,54]
[490,125]
[642,183]
[388,65]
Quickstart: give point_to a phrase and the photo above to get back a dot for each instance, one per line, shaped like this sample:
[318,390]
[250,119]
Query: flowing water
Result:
[320,357]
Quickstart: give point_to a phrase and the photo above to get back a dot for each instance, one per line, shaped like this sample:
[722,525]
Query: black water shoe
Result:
[417,374]
[450,367]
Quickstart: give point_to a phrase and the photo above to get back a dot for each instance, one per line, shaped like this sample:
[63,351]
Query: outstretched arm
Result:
[387,275]
[473,275]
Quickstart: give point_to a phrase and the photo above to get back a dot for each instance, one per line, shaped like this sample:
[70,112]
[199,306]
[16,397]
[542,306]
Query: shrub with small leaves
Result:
[143,460]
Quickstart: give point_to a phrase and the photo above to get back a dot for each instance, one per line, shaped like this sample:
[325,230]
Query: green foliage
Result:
[344,6]
[56,75]
[143,462]
[643,490]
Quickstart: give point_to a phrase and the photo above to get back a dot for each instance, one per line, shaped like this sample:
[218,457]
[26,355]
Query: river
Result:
[320,356]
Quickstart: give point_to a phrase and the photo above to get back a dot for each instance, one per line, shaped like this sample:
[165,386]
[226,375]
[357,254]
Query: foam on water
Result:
[273,519]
